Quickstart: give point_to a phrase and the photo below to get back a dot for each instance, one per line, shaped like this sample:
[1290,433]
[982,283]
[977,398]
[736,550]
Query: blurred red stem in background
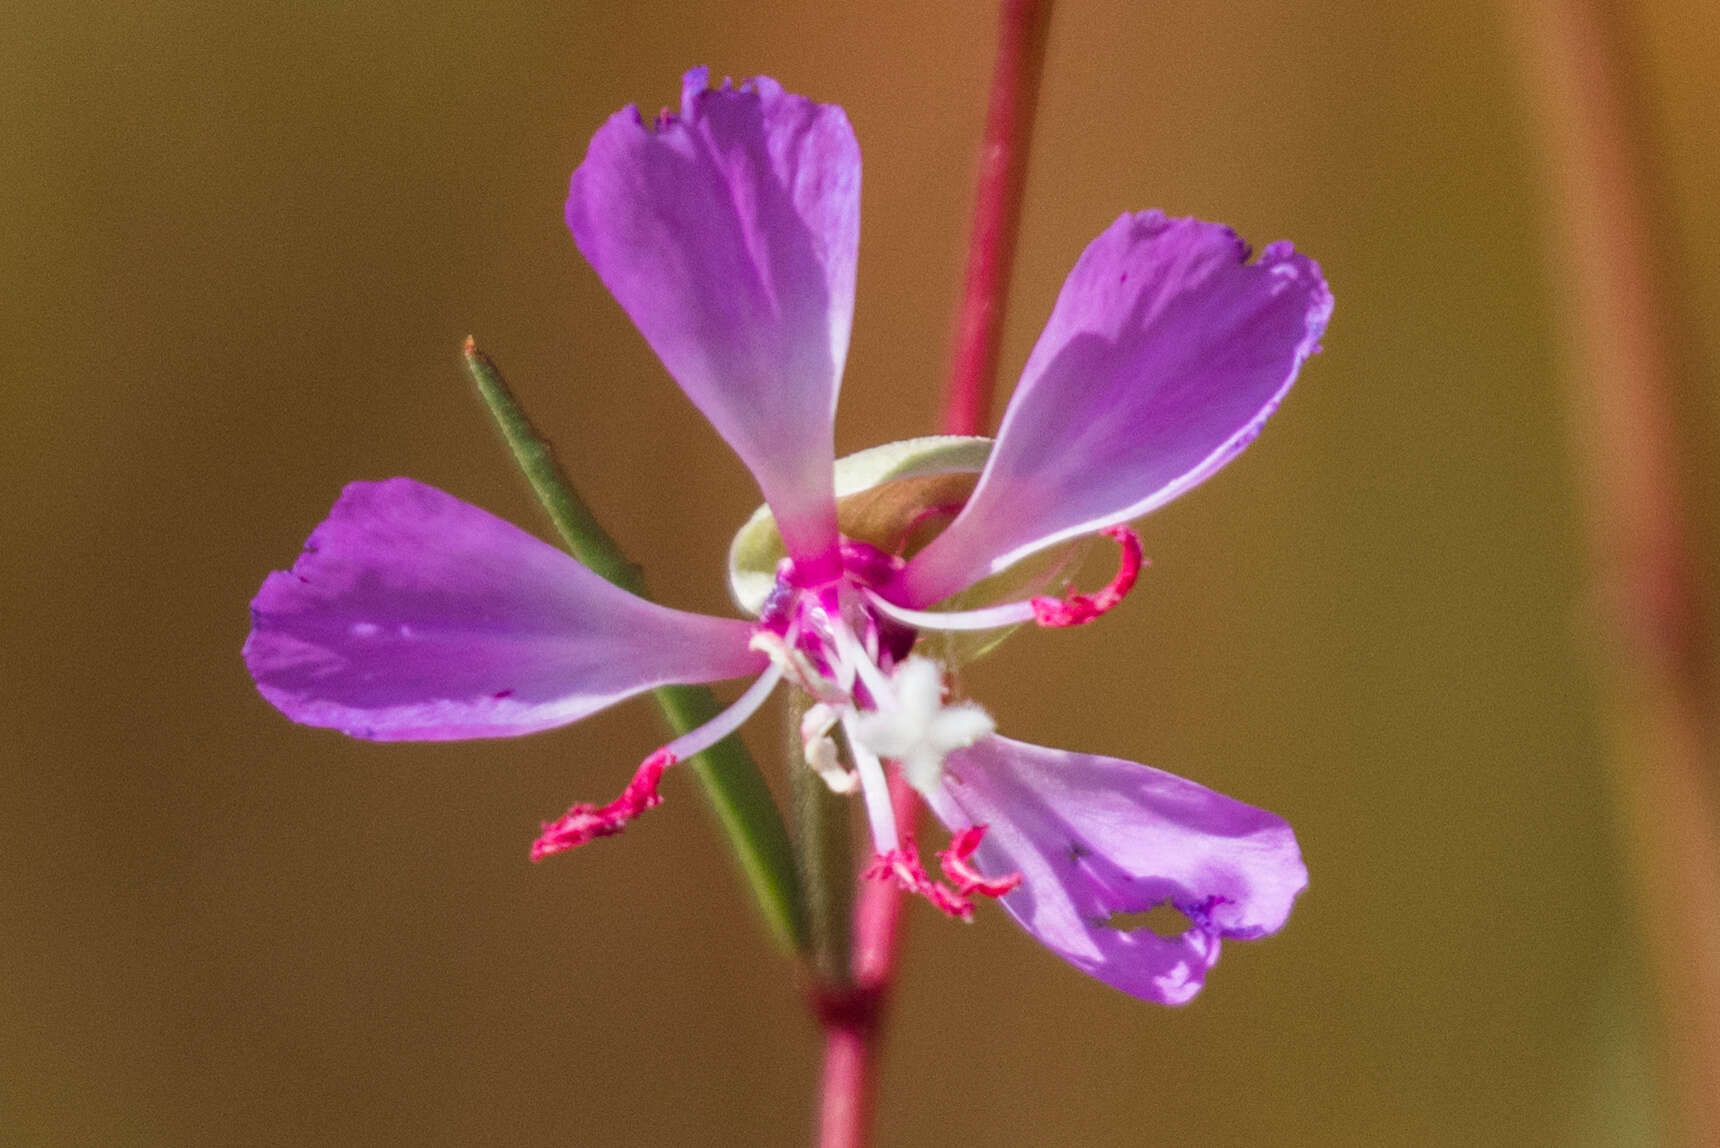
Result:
[853,1017]
[1648,584]
[997,211]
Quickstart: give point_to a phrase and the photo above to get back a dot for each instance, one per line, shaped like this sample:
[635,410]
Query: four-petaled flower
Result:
[729,233]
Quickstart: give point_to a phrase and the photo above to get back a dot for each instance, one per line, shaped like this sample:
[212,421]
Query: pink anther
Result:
[586,822]
[961,872]
[903,866]
[1079,609]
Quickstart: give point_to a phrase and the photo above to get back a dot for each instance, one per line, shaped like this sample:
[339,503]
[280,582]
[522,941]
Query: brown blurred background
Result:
[241,245]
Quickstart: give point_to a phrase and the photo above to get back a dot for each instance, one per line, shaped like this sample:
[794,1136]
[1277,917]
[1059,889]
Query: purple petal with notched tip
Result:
[1166,352]
[729,235]
[413,616]
[1093,837]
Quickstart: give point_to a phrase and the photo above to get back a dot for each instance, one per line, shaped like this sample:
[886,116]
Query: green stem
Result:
[731,778]
[824,853]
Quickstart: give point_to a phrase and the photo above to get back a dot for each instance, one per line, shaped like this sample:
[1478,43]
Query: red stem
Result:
[853,1018]
[997,212]
[1647,580]
[851,1021]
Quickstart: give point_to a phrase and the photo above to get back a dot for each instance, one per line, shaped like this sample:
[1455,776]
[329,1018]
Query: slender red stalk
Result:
[1659,673]
[851,1021]
[853,1018]
[997,212]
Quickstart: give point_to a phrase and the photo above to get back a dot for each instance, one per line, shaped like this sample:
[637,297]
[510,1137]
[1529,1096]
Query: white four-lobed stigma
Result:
[914,726]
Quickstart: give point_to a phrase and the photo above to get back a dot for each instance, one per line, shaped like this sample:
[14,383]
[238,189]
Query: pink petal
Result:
[414,616]
[729,235]
[1095,836]
[1164,355]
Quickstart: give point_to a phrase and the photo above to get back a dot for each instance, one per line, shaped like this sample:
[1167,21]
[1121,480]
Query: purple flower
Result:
[728,234]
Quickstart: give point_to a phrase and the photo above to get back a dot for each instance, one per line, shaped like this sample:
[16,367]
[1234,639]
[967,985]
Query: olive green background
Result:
[240,246]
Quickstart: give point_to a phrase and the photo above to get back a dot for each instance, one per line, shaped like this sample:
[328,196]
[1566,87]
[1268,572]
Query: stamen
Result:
[1079,609]
[851,653]
[819,749]
[961,872]
[875,788]
[903,866]
[725,723]
[822,759]
[989,618]
[785,649]
[585,822]
[1075,610]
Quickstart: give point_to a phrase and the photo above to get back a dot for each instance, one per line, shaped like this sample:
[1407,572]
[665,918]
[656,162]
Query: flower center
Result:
[857,666]
[843,642]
